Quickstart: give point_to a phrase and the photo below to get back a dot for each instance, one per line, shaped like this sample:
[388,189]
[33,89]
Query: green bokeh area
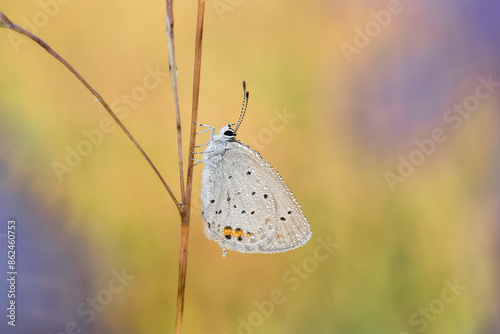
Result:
[381,116]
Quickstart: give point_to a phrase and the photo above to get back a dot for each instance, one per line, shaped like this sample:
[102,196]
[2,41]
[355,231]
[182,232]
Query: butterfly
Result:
[246,206]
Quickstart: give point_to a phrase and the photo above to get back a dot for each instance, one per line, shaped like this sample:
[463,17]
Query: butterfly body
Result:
[245,204]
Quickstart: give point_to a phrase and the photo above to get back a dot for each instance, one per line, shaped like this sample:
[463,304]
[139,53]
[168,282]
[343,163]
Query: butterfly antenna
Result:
[244,107]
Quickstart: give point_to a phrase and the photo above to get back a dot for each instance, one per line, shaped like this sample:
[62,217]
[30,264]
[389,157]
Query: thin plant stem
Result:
[196,95]
[185,220]
[181,284]
[184,207]
[5,22]
[172,68]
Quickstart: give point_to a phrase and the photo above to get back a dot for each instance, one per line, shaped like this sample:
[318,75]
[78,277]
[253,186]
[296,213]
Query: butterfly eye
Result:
[229,133]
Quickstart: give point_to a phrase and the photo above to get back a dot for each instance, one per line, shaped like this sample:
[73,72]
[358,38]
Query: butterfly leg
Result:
[197,161]
[200,161]
[205,126]
[203,144]
[202,152]
[206,130]
[210,128]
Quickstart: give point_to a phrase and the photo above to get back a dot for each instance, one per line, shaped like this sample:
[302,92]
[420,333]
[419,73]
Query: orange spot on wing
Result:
[238,234]
[227,231]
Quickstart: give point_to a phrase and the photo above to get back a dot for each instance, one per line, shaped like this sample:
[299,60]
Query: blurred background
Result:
[382,117]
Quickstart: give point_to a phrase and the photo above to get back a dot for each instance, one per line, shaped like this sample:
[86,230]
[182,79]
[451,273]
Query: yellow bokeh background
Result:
[340,115]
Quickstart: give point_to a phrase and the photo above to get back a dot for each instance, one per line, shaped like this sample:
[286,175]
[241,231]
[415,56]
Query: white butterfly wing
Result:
[247,207]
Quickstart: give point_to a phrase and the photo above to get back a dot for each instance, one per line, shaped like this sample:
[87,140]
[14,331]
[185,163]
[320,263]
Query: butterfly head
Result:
[226,132]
